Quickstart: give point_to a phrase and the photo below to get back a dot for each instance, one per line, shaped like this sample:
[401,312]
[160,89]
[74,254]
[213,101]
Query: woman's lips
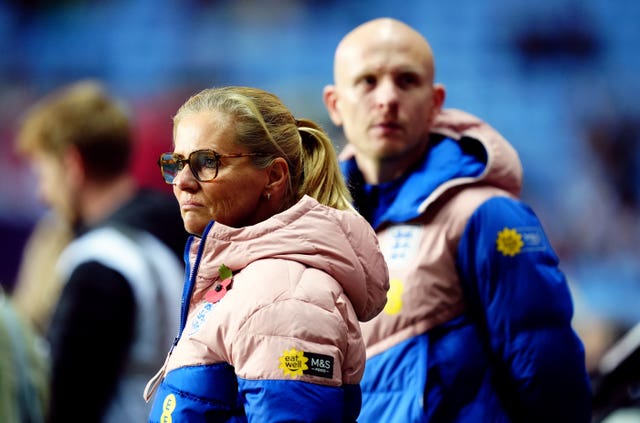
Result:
[190,205]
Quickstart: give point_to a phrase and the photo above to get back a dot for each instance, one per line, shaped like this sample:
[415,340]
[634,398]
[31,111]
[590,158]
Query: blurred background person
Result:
[37,286]
[23,368]
[122,275]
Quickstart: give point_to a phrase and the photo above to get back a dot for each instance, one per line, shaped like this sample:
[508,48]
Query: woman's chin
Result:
[194,226]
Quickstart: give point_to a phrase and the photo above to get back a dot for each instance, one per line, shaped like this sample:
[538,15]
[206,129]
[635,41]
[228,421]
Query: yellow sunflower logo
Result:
[293,362]
[394,297]
[509,242]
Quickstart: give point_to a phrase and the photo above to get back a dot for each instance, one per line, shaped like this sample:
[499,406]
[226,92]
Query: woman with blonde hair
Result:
[280,268]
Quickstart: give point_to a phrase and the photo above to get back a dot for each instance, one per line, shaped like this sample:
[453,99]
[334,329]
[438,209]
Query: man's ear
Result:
[439,95]
[278,174]
[330,98]
[437,101]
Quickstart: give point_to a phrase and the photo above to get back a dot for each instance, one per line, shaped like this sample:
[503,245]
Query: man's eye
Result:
[407,80]
[369,80]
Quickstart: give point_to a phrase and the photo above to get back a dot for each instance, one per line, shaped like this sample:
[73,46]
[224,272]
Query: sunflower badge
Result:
[509,242]
[293,362]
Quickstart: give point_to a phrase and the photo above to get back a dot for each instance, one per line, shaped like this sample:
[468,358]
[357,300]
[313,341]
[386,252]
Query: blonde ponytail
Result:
[322,178]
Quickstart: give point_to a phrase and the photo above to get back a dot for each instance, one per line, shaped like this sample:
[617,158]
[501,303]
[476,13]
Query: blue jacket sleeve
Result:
[295,401]
[514,286]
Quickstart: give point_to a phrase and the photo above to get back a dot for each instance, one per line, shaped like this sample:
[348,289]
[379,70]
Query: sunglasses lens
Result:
[169,167]
[204,164]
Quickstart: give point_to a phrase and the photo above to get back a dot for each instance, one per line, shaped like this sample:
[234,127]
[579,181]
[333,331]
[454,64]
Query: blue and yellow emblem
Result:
[509,242]
[168,405]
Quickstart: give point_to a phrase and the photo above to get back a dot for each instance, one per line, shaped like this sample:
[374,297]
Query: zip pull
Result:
[153,384]
[155,381]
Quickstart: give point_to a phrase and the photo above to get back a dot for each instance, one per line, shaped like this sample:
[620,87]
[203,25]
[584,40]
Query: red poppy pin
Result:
[219,290]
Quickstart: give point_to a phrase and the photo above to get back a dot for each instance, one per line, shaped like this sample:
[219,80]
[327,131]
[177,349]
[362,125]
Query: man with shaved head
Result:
[477,326]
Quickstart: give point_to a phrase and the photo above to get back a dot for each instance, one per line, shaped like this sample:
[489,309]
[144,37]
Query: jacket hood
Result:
[503,168]
[340,243]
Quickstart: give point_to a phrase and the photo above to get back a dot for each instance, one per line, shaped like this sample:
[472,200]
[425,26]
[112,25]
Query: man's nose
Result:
[387,94]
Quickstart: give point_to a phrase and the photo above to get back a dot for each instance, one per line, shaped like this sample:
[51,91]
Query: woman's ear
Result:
[278,174]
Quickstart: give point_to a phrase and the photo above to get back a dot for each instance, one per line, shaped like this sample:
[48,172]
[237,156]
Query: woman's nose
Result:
[184,178]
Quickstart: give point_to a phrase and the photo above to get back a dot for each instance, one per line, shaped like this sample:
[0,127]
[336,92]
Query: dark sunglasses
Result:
[203,164]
